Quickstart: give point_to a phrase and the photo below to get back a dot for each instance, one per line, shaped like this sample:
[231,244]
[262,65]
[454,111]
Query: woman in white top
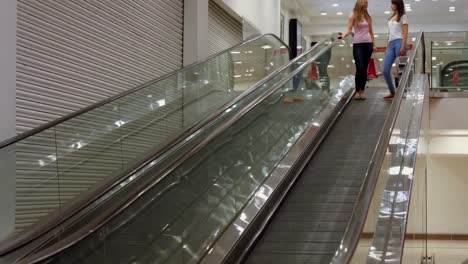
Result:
[398,30]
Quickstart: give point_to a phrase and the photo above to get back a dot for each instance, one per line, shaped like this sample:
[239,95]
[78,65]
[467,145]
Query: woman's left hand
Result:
[402,52]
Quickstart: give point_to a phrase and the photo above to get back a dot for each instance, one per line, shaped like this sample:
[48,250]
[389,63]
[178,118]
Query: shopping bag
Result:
[371,72]
[378,67]
[313,74]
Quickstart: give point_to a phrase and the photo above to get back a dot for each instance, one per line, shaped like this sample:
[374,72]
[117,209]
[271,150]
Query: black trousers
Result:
[362,53]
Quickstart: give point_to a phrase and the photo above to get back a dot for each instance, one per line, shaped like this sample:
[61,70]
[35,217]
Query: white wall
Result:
[263,14]
[287,16]
[447,195]
[7,113]
[195,31]
[455,108]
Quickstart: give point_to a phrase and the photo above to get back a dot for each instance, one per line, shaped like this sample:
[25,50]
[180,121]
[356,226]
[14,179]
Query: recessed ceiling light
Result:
[387,12]
[336,5]
[323,13]
[434,58]
[340,13]
[376,36]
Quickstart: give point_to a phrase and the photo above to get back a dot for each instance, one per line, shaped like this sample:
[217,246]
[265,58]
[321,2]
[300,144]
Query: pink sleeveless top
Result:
[361,32]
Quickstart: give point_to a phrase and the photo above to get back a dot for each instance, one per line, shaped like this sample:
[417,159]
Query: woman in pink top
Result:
[363,46]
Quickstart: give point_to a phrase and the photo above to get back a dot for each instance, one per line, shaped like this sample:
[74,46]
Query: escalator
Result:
[58,169]
[127,150]
[268,180]
[311,221]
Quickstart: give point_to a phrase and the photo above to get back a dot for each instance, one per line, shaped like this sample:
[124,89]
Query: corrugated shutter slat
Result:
[71,54]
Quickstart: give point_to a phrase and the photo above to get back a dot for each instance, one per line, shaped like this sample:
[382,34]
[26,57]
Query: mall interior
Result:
[228,131]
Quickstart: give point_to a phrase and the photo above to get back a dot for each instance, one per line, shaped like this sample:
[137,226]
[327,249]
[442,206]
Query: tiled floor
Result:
[445,252]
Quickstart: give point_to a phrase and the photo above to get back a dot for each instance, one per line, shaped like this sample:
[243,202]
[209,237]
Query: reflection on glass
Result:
[180,217]
[449,66]
[52,168]
[400,179]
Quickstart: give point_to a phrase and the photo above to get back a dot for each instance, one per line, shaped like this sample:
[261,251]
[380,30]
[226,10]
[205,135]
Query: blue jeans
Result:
[393,52]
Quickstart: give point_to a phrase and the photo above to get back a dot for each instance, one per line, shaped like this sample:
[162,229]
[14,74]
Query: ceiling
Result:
[428,15]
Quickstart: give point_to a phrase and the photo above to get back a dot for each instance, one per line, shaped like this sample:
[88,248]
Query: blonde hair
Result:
[359,13]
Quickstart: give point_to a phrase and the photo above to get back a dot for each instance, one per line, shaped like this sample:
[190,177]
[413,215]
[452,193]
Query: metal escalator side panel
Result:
[228,248]
[266,83]
[67,164]
[356,225]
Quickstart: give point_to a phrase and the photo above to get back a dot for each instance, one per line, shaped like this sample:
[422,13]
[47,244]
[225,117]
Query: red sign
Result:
[280,51]
[381,49]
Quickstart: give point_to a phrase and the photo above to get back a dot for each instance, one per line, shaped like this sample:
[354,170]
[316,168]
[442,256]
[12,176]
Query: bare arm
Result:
[405,39]
[350,27]
[371,32]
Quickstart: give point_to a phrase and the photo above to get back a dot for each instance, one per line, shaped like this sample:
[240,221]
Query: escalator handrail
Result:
[72,115]
[55,219]
[354,229]
[116,209]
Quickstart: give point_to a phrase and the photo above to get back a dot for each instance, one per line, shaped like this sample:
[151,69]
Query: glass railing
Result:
[47,172]
[449,65]
[395,173]
[179,216]
[446,60]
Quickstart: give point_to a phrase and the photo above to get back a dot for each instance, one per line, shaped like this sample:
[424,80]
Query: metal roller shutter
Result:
[73,53]
[224,31]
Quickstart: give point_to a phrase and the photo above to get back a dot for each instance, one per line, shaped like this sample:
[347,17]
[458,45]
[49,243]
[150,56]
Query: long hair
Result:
[360,13]
[400,9]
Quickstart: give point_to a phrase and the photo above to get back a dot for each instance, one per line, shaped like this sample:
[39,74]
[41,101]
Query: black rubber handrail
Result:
[65,118]
[57,218]
[115,209]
